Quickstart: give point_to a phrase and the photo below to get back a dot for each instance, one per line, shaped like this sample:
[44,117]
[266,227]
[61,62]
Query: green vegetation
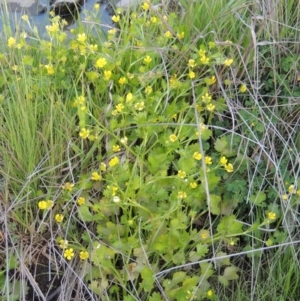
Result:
[159,161]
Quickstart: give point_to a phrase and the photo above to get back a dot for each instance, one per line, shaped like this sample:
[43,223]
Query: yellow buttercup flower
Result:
[208,160]
[101,62]
[192,74]
[145,6]
[173,138]
[182,195]
[115,18]
[84,133]
[113,162]
[116,148]
[271,216]
[229,167]
[81,201]
[63,243]
[147,59]
[181,174]
[84,255]
[197,156]
[243,88]
[95,176]
[228,62]
[43,205]
[69,253]
[11,42]
[223,160]
[68,186]
[59,218]
[81,37]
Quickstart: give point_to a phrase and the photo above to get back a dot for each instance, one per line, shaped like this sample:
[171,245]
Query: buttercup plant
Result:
[144,156]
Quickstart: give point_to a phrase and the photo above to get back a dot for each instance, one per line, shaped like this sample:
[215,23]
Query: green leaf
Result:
[258,199]
[224,261]
[202,250]
[230,273]
[229,226]
[155,297]
[214,204]
[84,213]
[223,147]
[148,279]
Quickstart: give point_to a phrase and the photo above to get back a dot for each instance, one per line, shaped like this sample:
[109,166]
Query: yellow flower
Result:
[96,6]
[139,106]
[192,63]
[206,98]
[93,47]
[197,156]
[181,195]
[229,167]
[123,80]
[81,201]
[95,176]
[193,185]
[114,161]
[243,88]
[113,189]
[84,255]
[129,97]
[81,37]
[271,216]
[208,160]
[285,197]
[210,293]
[204,234]
[298,192]
[223,160]
[11,42]
[192,74]
[210,107]
[228,62]
[102,166]
[211,45]
[145,6]
[173,138]
[119,107]
[147,59]
[168,34]
[63,243]
[84,133]
[107,74]
[116,148]
[212,80]
[101,62]
[201,52]
[112,31]
[68,186]
[148,90]
[124,140]
[181,174]
[59,218]
[115,18]
[292,189]
[204,59]
[180,35]
[50,69]
[25,18]
[153,19]
[43,205]
[69,253]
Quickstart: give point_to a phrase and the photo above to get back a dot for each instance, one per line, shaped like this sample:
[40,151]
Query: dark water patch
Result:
[38,17]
